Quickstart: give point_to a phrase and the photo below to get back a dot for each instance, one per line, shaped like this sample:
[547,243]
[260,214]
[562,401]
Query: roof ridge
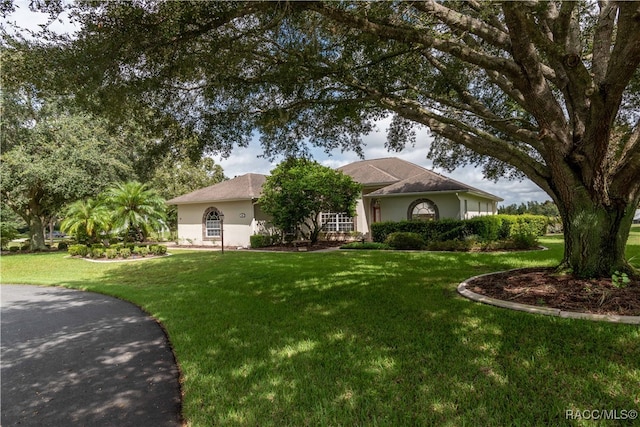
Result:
[384,172]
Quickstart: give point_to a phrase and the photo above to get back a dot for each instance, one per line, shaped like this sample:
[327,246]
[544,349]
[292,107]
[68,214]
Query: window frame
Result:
[205,226]
[333,222]
[415,203]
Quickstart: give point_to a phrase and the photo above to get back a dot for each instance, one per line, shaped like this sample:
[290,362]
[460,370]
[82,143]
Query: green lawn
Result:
[362,338]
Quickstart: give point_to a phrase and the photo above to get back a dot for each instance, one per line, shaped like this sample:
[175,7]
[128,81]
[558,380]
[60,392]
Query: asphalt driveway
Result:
[72,358]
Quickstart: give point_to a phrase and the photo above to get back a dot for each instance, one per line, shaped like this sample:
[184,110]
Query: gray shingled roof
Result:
[243,187]
[428,182]
[394,175]
[404,177]
[381,171]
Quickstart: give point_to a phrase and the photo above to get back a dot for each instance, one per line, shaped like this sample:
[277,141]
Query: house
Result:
[636,217]
[393,190]
[396,190]
[200,212]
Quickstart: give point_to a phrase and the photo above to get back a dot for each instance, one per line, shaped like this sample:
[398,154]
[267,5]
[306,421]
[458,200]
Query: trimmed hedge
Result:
[485,228]
[117,250]
[405,240]
[263,240]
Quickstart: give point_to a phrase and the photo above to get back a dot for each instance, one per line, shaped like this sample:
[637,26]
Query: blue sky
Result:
[245,160]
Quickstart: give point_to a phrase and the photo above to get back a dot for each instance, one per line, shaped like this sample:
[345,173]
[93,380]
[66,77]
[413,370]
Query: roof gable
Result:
[243,187]
[428,182]
[381,171]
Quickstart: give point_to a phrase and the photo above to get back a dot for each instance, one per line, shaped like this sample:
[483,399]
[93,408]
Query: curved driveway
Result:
[83,359]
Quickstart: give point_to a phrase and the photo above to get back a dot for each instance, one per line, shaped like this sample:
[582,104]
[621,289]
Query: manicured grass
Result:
[362,338]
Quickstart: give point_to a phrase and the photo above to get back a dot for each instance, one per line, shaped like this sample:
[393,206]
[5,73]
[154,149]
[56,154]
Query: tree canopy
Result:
[547,90]
[51,157]
[299,190]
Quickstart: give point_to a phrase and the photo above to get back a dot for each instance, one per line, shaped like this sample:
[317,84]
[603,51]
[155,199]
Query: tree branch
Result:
[412,35]
[491,35]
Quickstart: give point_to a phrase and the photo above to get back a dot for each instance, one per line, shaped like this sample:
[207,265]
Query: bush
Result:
[78,250]
[366,245]
[457,233]
[525,235]
[451,245]
[261,240]
[8,232]
[117,246]
[405,240]
[125,253]
[487,227]
[111,253]
[158,249]
[14,249]
[97,252]
[429,230]
[62,246]
[143,251]
[538,224]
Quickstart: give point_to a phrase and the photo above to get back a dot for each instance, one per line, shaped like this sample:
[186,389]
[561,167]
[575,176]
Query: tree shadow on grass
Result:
[374,339]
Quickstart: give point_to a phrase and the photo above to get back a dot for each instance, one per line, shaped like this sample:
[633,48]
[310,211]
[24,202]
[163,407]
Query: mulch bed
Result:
[297,248]
[543,287]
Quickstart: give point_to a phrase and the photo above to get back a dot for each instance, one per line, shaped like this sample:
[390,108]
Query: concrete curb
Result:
[462,290]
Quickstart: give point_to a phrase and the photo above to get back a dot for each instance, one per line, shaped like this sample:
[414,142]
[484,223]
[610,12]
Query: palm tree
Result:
[136,210]
[85,219]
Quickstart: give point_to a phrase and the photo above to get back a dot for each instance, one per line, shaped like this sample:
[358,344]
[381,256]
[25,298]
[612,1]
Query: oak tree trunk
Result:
[36,233]
[595,237]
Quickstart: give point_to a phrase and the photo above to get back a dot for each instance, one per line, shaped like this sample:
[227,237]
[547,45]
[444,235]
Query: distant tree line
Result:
[547,208]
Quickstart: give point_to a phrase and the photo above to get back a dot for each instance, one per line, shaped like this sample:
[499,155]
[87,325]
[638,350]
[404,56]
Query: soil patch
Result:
[542,287]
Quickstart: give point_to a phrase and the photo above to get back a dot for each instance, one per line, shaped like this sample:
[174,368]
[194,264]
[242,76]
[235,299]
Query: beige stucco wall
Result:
[476,206]
[450,205]
[237,228]
[395,208]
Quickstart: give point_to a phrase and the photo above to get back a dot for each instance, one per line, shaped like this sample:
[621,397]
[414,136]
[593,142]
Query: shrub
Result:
[111,253]
[451,245]
[525,235]
[78,250]
[261,240]
[125,253]
[366,245]
[62,246]
[13,249]
[486,227]
[97,252]
[117,246]
[8,232]
[456,233]
[158,249]
[405,240]
[25,246]
[143,251]
[510,224]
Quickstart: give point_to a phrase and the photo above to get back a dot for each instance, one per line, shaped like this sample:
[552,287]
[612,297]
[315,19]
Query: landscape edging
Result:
[547,311]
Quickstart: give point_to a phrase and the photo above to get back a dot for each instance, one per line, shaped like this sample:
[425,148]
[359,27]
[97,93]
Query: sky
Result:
[249,160]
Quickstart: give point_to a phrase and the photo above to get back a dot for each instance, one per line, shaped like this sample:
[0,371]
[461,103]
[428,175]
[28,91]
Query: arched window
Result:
[211,224]
[423,210]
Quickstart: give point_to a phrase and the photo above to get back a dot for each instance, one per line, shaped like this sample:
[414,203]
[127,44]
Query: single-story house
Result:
[393,190]
[636,217]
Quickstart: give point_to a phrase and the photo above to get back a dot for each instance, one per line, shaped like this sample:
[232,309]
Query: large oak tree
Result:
[546,90]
